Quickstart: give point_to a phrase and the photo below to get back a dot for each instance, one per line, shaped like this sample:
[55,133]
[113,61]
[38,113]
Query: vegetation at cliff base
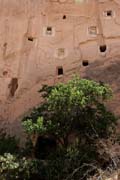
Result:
[67,134]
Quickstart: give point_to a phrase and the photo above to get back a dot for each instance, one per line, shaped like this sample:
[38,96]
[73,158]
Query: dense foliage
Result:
[13,167]
[73,109]
[67,132]
[8,144]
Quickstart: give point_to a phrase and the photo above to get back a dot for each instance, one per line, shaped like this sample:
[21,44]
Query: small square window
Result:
[60,71]
[92,30]
[49,30]
[103,48]
[108,13]
[85,63]
[61,52]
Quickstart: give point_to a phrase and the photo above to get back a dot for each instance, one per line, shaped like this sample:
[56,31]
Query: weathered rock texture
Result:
[47,41]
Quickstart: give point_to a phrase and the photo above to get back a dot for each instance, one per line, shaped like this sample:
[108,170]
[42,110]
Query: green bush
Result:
[14,168]
[76,107]
[8,144]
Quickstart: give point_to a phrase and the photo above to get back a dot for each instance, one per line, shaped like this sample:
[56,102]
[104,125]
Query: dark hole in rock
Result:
[30,39]
[64,17]
[49,28]
[44,147]
[13,86]
[60,71]
[5,44]
[103,48]
[85,63]
[109,13]
[5,73]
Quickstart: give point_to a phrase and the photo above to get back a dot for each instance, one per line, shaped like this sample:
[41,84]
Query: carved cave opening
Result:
[85,63]
[60,71]
[49,30]
[30,39]
[64,16]
[45,145]
[103,48]
[109,13]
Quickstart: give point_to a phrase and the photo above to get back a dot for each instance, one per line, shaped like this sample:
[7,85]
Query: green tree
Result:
[78,108]
[74,106]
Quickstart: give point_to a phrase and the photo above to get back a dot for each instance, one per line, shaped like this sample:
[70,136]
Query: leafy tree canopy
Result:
[74,109]
[76,106]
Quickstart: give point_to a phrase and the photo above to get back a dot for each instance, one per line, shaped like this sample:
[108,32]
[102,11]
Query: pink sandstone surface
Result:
[47,41]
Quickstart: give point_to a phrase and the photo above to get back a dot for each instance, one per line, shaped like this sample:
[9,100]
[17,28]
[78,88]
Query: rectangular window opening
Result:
[30,38]
[108,13]
[49,30]
[61,52]
[85,63]
[92,30]
[103,48]
[60,71]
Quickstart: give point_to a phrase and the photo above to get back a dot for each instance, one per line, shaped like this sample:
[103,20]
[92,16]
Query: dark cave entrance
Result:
[103,48]
[45,145]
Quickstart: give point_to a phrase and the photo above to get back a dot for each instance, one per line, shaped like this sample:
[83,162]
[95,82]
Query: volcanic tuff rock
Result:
[47,41]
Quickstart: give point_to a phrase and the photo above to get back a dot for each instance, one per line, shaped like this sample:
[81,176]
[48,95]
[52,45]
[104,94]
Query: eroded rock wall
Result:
[47,41]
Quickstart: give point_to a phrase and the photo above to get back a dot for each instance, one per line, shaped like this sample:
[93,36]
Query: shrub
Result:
[8,144]
[76,107]
[13,167]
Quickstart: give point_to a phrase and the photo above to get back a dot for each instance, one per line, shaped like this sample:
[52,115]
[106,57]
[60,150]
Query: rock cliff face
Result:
[47,41]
